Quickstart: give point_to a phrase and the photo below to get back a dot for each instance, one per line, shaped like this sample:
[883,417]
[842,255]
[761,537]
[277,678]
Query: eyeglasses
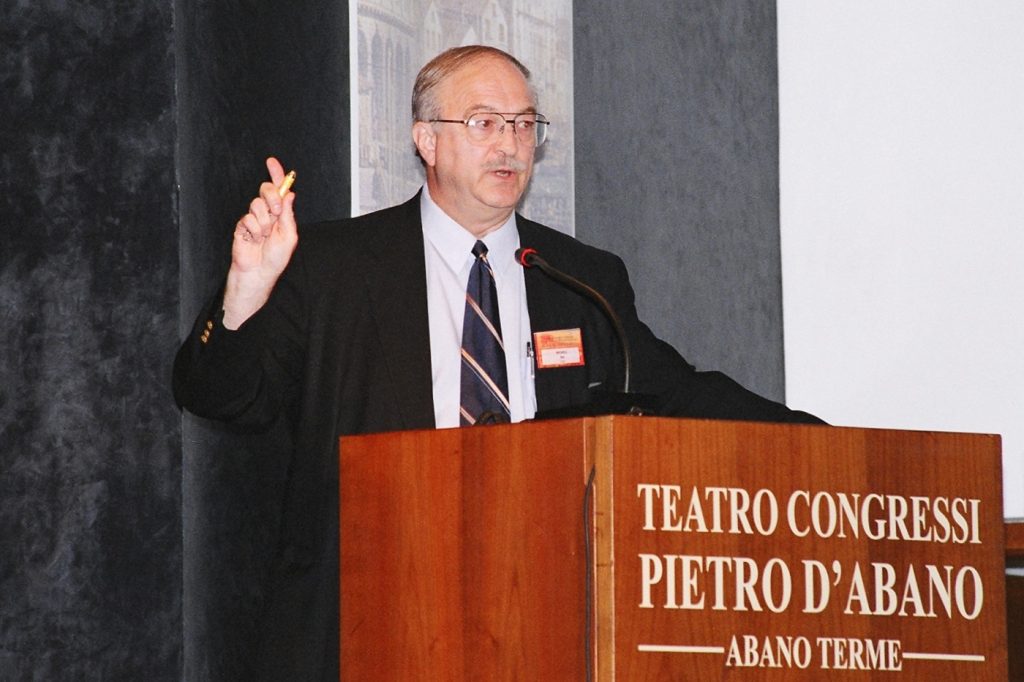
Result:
[486,127]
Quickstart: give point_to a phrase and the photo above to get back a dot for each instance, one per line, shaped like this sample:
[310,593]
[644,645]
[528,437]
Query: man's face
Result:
[478,185]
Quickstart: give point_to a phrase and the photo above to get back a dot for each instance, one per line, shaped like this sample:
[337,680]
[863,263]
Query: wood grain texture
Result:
[463,552]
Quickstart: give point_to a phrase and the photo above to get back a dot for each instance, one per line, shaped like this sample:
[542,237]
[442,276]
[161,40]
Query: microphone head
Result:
[526,256]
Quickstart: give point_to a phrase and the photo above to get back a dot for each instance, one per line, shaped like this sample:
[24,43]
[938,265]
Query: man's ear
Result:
[425,138]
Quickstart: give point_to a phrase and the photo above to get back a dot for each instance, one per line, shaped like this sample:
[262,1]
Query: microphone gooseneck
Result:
[529,258]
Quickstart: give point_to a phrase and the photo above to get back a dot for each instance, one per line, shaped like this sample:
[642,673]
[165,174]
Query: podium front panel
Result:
[462,553]
[799,552]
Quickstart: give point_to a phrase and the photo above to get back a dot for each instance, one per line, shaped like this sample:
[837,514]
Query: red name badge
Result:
[559,348]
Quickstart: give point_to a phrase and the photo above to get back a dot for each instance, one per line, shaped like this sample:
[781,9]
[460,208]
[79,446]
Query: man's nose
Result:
[508,141]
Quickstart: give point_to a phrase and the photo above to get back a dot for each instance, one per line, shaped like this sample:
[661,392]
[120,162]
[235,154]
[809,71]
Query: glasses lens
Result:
[530,129]
[484,127]
[527,129]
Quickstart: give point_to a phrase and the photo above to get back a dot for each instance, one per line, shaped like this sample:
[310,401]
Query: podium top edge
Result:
[699,421]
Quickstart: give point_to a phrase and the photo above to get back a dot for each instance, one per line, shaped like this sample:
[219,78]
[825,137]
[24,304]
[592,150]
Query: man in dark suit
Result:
[359,328]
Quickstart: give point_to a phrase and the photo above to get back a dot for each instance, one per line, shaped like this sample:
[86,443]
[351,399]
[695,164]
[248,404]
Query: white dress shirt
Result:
[448,254]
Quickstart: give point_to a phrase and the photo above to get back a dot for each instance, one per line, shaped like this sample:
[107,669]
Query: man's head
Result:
[476,182]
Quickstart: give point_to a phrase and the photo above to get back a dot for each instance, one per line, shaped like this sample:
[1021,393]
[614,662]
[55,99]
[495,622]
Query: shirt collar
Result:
[454,243]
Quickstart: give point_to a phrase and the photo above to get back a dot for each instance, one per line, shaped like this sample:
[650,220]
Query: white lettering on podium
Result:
[846,653]
[748,651]
[685,581]
[857,588]
[709,510]
[818,585]
[962,594]
[884,517]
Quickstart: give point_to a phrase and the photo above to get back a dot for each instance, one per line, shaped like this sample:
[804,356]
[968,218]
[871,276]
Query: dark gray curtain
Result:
[254,79]
[90,447]
[677,171]
[131,543]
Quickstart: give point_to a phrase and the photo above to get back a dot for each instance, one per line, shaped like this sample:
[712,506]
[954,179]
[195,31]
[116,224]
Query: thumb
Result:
[286,221]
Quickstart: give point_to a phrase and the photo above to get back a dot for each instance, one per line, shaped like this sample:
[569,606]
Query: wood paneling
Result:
[463,552]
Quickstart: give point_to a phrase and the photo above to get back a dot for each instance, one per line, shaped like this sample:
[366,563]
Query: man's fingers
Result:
[248,229]
[286,220]
[261,211]
[276,170]
[270,198]
[268,231]
[274,191]
[284,225]
[258,224]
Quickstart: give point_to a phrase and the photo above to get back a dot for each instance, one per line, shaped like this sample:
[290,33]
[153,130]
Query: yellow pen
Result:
[286,184]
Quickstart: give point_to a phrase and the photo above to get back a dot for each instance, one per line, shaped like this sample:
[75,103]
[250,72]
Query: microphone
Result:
[528,258]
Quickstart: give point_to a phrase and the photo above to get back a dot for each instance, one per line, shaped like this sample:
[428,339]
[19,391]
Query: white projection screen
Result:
[902,213]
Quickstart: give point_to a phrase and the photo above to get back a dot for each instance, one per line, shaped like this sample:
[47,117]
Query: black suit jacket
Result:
[342,347]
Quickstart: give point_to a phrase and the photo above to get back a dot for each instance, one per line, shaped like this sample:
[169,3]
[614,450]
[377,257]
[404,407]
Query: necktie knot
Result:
[480,250]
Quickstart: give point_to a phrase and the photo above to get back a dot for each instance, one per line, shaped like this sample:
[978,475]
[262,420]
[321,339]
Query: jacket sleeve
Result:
[245,377]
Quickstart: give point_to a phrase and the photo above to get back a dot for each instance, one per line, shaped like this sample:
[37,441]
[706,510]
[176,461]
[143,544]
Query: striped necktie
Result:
[484,382]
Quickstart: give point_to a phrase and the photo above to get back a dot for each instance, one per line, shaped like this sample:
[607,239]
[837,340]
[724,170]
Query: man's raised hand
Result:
[264,241]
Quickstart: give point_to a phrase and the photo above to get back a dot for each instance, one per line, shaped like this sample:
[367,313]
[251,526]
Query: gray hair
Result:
[424,93]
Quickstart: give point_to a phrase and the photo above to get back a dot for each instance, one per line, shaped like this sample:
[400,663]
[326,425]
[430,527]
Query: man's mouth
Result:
[506,167]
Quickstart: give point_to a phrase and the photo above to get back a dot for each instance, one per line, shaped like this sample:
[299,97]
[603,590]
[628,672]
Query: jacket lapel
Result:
[397,287]
[551,307]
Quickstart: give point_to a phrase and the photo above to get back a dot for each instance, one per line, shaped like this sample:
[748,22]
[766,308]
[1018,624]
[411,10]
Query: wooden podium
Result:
[638,548]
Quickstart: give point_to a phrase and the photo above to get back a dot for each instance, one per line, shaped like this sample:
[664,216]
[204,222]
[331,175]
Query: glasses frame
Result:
[539,119]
